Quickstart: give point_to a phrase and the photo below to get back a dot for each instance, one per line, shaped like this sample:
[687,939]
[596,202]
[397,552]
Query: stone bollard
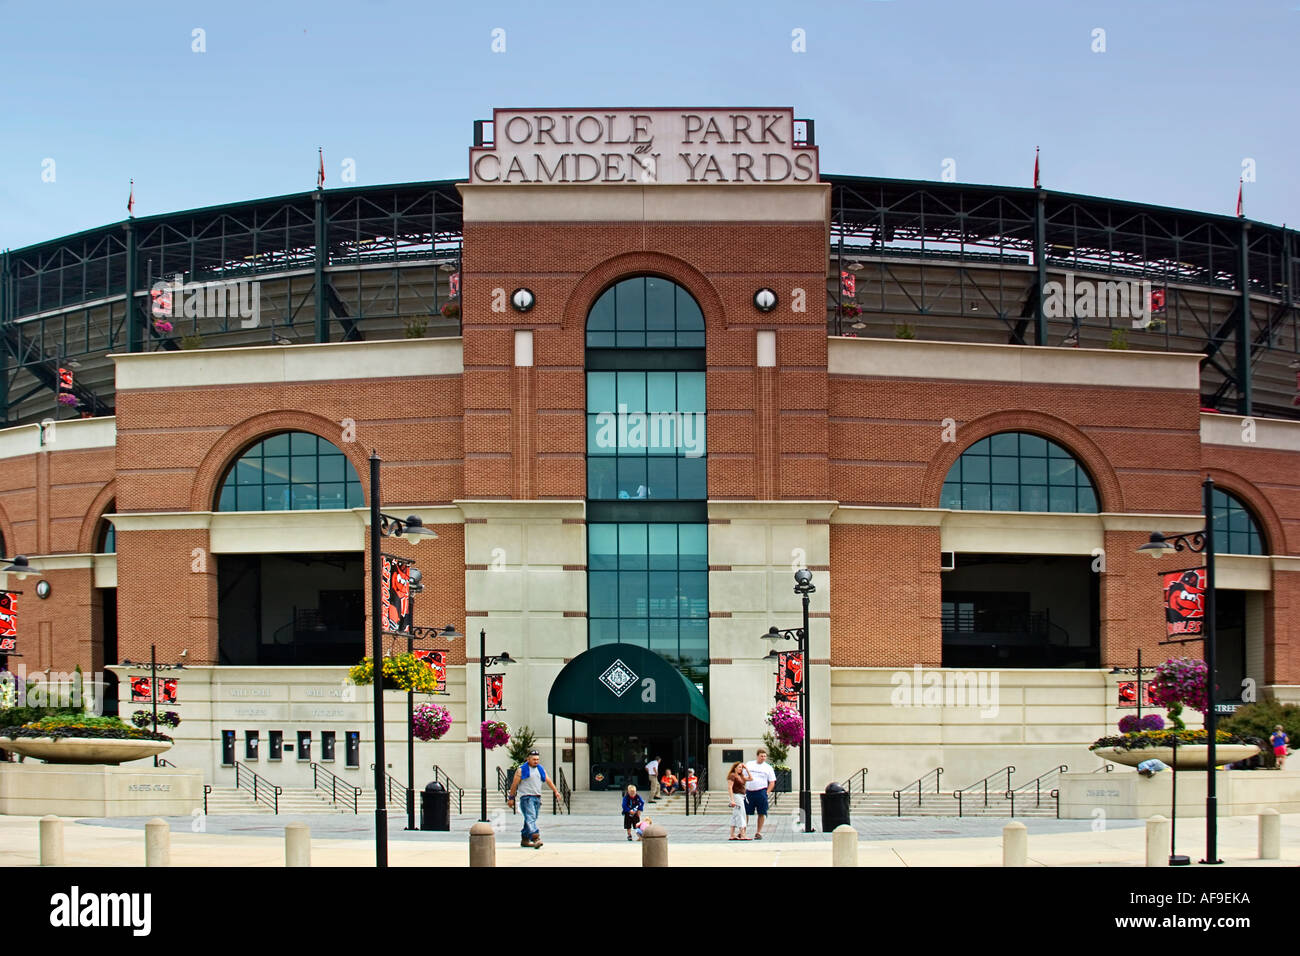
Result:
[482,845]
[297,845]
[844,846]
[1158,833]
[654,846]
[51,841]
[157,843]
[1015,844]
[1270,834]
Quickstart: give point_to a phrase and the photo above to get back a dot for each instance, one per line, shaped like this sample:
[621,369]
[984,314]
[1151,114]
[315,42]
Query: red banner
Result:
[789,675]
[453,284]
[1128,693]
[395,592]
[493,692]
[1185,602]
[437,662]
[142,690]
[8,622]
[848,284]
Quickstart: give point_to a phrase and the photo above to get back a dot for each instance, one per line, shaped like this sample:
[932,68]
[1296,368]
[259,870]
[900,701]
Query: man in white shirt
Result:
[652,771]
[762,781]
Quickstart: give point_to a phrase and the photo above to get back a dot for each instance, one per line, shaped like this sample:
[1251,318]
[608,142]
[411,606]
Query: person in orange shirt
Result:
[668,782]
[692,781]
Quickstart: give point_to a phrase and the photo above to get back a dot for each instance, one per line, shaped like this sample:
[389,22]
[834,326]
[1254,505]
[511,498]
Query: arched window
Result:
[106,534]
[1235,528]
[291,471]
[645,312]
[1016,471]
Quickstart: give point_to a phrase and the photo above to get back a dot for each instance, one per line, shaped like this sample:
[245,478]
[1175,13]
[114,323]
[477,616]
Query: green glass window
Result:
[646,436]
[645,312]
[292,471]
[1235,528]
[648,584]
[1016,471]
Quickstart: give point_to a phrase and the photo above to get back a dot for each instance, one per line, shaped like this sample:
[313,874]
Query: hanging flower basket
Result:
[143,718]
[400,671]
[450,310]
[67,398]
[495,734]
[788,724]
[850,310]
[1181,682]
[430,721]
[162,325]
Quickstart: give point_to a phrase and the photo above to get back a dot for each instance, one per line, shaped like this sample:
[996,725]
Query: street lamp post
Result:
[804,587]
[1202,542]
[382,525]
[483,663]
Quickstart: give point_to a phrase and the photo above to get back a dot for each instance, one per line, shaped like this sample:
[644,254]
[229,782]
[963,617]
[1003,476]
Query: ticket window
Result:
[277,745]
[227,748]
[353,748]
[304,745]
[251,742]
[327,746]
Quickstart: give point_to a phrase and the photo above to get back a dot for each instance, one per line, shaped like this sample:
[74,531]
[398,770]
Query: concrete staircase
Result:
[945,805]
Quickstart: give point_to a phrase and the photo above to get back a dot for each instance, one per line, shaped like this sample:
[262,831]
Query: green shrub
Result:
[17,716]
[79,725]
[776,752]
[1258,720]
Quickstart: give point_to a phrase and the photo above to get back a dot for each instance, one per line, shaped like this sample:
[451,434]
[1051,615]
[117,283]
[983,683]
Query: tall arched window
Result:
[647,486]
[1235,528]
[291,471]
[1017,471]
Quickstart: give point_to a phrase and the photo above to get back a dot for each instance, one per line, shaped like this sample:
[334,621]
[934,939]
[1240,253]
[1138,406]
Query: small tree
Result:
[521,742]
[776,751]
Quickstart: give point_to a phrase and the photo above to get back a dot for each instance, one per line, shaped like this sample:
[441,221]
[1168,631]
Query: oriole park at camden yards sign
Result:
[652,146]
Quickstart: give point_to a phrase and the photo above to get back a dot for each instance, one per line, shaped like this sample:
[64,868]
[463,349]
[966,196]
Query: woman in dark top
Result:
[737,776]
[632,807]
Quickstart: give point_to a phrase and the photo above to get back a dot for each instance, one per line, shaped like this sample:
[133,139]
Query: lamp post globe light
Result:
[1201,541]
[803,586]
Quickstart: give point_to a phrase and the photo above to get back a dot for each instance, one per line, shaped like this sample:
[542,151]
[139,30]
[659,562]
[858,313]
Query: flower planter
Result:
[784,781]
[97,750]
[1190,756]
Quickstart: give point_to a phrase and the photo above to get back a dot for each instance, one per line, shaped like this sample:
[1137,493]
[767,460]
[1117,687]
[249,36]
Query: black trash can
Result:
[435,808]
[835,807]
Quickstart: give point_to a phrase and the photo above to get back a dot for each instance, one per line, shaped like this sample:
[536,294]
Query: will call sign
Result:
[658,146]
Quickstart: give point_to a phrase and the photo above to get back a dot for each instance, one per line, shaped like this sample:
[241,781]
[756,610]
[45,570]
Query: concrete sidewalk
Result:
[121,843]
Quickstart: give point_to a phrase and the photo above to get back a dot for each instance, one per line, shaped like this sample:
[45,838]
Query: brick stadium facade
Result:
[831,453]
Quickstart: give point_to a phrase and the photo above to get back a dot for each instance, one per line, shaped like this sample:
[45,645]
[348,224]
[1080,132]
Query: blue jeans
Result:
[531,806]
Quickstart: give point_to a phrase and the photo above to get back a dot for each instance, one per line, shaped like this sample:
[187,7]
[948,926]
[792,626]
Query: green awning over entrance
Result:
[623,680]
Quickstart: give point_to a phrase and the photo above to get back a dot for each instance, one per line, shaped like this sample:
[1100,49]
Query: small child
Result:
[1279,740]
[642,827]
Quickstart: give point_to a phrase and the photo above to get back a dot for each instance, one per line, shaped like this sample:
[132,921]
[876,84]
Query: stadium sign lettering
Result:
[647,147]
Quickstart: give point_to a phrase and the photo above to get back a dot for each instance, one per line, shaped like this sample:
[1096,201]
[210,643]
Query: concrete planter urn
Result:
[84,750]
[1190,756]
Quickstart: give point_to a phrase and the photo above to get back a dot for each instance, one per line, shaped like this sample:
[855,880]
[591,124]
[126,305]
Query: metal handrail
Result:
[163,762]
[1105,768]
[207,789]
[261,788]
[1036,783]
[565,791]
[503,786]
[861,777]
[920,785]
[441,776]
[335,785]
[392,783]
[1008,770]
